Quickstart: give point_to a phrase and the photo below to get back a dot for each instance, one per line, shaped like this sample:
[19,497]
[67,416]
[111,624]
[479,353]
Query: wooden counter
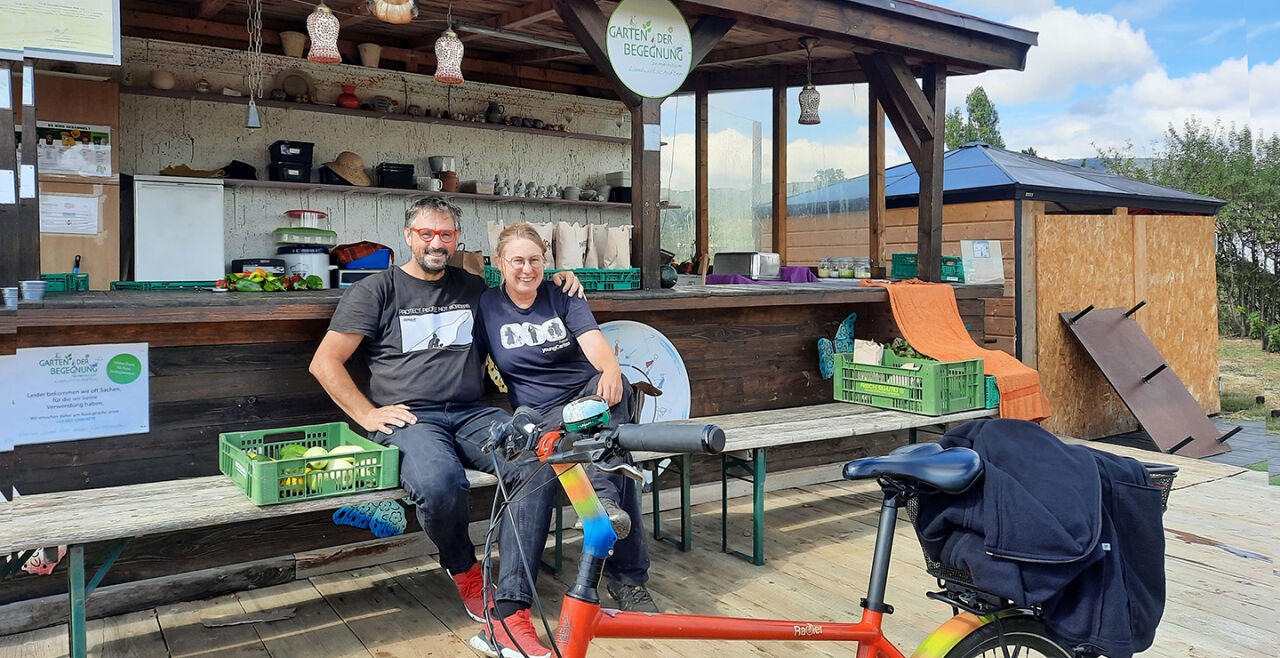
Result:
[224,362]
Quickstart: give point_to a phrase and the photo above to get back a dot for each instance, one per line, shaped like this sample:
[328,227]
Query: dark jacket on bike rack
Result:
[1072,530]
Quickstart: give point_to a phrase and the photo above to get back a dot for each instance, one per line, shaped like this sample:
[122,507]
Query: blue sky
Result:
[1106,73]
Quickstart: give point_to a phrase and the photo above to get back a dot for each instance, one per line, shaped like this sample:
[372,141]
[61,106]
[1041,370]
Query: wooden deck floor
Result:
[1220,529]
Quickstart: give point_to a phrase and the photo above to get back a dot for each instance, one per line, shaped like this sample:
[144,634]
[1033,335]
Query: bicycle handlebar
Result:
[671,438]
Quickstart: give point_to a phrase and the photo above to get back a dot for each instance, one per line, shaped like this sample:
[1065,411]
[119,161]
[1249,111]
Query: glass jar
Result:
[862,268]
[846,268]
[824,268]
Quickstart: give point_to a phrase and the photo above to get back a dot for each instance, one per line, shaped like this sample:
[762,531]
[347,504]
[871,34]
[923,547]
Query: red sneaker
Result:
[508,642]
[471,587]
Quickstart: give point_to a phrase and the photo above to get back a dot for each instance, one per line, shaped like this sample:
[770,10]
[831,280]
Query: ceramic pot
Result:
[495,112]
[162,79]
[370,54]
[294,43]
[571,193]
[348,99]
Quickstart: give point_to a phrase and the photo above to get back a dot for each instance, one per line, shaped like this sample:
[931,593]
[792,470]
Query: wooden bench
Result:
[118,514]
[748,437]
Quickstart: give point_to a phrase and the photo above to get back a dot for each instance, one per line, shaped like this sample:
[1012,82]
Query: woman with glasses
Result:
[550,352]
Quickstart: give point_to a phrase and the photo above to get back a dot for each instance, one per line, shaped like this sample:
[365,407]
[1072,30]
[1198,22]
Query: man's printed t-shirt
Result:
[418,336]
[536,349]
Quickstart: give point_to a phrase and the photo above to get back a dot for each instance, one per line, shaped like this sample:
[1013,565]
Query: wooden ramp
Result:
[1221,587]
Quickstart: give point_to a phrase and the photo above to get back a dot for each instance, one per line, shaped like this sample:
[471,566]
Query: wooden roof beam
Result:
[755,51]
[211,8]
[539,55]
[526,14]
[909,109]
[588,26]
[885,29]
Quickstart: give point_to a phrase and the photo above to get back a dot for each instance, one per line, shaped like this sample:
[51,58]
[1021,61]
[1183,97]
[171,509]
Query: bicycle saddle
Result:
[952,470]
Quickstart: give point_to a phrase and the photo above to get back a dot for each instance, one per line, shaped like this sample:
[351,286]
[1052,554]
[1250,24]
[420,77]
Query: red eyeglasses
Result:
[428,235]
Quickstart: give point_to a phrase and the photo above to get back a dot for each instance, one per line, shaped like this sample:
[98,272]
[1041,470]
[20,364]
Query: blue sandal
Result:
[844,335]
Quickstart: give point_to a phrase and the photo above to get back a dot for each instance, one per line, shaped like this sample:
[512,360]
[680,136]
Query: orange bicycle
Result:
[982,625]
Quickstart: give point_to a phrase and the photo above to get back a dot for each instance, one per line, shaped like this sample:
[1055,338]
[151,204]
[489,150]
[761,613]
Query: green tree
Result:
[1031,151]
[980,122]
[826,177]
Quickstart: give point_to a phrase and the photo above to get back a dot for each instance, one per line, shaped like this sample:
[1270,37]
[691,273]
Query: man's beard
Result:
[426,266]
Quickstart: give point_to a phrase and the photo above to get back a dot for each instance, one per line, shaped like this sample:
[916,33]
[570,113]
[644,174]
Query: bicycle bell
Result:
[586,413]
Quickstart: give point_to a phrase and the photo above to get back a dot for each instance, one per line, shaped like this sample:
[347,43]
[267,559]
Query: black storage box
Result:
[620,195]
[270,265]
[290,172]
[391,174]
[288,151]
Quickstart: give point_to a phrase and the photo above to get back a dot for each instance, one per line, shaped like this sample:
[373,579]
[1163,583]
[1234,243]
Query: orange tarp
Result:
[929,320]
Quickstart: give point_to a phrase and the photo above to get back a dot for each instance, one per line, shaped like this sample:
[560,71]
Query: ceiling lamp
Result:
[397,12]
[809,97]
[322,26]
[255,63]
[449,54]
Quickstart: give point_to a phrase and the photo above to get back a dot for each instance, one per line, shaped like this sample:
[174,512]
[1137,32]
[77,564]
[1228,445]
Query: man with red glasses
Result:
[418,323]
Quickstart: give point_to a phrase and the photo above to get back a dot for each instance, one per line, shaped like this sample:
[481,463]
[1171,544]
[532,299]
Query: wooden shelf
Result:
[395,191]
[329,109]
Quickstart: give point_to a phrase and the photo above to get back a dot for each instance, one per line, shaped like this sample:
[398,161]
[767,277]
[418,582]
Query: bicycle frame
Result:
[582,619]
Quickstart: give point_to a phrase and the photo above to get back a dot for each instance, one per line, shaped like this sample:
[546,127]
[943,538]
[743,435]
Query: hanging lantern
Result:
[322,26]
[397,12]
[809,97]
[449,58]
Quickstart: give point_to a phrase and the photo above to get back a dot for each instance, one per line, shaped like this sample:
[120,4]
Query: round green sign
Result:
[124,368]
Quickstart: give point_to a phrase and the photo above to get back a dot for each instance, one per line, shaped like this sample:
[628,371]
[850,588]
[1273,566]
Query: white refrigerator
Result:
[177,229]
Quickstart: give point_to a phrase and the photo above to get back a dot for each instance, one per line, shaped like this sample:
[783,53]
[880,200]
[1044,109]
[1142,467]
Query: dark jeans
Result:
[433,453]
[629,563]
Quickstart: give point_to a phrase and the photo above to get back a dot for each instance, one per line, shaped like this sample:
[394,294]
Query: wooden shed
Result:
[1070,237]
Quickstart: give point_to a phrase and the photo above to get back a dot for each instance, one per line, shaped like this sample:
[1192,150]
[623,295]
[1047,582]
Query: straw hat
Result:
[351,167]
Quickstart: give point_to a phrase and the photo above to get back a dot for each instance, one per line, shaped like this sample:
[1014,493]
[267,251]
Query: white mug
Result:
[433,184]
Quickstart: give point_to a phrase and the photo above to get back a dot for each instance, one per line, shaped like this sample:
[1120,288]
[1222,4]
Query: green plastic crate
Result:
[592,279]
[904,267]
[161,285]
[993,393]
[938,387]
[65,282]
[287,480]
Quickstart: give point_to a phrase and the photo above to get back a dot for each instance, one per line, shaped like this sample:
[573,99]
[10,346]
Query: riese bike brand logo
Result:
[649,46]
[807,630]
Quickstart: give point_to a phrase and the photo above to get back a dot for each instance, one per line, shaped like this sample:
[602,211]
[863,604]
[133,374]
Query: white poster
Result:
[80,392]
[73,149]
[649,46]
[8,387]
[68,213]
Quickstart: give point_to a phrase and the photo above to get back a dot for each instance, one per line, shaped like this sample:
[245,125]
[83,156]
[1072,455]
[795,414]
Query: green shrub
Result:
[1256,325]
[1273,338]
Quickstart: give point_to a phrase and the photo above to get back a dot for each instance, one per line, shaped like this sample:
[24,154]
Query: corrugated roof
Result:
[977,166]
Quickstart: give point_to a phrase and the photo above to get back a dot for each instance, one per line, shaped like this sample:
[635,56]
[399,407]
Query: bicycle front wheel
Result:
[1024,637]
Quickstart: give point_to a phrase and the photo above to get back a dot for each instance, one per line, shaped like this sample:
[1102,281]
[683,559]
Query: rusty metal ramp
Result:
[1145,382]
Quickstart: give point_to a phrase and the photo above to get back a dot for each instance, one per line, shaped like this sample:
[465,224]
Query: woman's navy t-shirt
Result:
[536,349]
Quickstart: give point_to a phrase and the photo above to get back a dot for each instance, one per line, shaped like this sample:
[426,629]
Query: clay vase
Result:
[348,98]
[495,112]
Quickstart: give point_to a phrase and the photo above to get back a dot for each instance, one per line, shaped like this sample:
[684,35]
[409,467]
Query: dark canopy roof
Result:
[980,172]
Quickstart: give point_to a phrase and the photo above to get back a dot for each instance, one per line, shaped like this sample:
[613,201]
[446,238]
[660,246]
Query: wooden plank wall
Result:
[811,237]
[208,378]
[1114,261]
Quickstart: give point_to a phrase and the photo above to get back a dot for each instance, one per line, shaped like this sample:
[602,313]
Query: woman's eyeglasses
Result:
[428,235]
[536,262]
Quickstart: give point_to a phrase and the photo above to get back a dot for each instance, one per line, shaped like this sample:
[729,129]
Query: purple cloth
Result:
[789,274]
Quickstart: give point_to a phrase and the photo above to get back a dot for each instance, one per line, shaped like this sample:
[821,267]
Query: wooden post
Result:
[702,223]
[9,213]
[29,195]
[779,196]
[646,158]
[875,177]
[929,230]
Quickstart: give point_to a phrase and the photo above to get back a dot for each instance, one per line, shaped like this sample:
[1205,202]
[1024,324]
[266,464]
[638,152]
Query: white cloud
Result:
[1264,97]
[1075,49]
[1218,32]
[1259,30]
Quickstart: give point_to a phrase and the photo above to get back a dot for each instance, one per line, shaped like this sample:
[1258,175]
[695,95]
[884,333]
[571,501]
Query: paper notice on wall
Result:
[8,187]
[982,261]
[80,392]
[8,388]
[69,213]
[73,149]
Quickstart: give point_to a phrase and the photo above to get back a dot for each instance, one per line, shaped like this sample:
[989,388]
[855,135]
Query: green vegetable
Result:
[314,282]
[246,285]
[293,451]
[901,348]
